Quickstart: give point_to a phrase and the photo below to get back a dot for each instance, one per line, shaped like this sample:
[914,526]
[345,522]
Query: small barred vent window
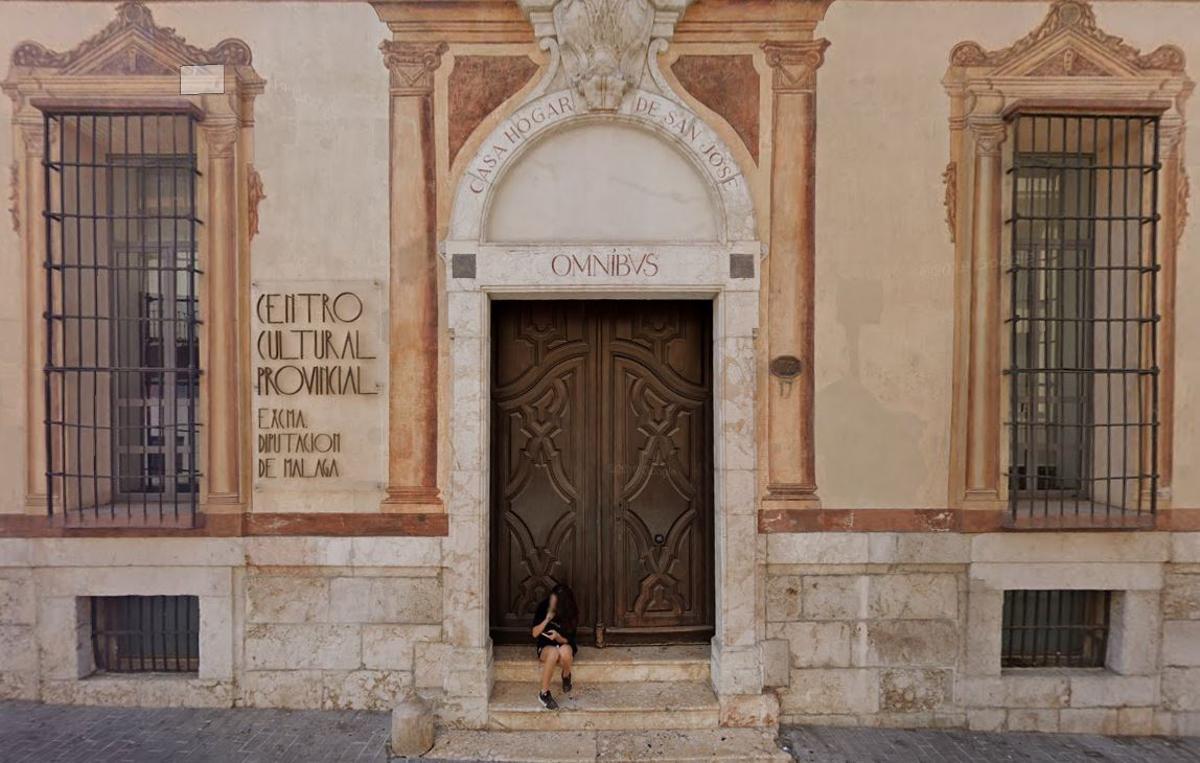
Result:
[1083,370]
[1055,629]
[146,634]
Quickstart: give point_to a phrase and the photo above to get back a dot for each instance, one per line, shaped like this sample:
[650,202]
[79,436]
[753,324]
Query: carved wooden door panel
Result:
[601,471]
[543,483]
[656,497]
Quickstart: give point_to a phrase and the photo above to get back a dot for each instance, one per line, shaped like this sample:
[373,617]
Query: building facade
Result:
[842,347]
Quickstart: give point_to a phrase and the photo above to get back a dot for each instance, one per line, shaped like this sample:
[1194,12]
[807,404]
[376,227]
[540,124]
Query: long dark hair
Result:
[567,613]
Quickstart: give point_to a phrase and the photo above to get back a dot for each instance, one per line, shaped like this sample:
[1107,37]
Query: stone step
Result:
[578,746]
[641,705]
[684,662]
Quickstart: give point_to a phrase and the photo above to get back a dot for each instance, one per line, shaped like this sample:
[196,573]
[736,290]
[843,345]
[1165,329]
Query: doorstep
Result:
[572,746]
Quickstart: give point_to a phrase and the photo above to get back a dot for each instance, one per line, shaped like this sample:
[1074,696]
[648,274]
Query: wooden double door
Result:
[601,467]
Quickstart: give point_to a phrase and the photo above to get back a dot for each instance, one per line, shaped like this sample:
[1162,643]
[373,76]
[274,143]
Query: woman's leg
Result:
[565,658]
[549,657]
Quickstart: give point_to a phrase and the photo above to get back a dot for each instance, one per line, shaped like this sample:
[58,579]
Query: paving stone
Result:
[44,733]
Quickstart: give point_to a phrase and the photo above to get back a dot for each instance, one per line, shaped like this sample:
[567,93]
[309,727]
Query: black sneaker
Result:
[567,684]
[547,700]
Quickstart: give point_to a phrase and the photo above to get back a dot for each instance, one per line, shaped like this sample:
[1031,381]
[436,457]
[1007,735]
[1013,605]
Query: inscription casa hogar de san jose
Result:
[315,353]
[530,120]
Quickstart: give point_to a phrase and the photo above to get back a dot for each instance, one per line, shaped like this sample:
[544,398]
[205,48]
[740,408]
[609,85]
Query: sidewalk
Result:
[32,732]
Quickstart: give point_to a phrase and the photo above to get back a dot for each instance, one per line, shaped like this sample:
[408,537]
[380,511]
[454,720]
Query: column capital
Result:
[1170,137]
[989,136]
[220,139]
[795,64]
[33,135]
[412,65]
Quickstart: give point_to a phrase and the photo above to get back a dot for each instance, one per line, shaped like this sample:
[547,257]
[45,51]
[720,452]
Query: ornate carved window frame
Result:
[1066,64]
[133,63]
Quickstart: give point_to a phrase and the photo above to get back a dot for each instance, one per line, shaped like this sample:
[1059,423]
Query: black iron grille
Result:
[1055,629]
[1083,370]
[122,357]
[143,634]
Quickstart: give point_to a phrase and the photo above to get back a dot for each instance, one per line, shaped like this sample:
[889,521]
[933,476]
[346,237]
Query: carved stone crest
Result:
[1069,17]
[603,49]
[603,45]
[131,44]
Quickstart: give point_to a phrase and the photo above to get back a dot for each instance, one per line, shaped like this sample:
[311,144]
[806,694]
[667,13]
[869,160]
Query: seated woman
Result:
[554,625]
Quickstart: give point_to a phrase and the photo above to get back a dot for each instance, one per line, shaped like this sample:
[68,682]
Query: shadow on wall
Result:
[873,453]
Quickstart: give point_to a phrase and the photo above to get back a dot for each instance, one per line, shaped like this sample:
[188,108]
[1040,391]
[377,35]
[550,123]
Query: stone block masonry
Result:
[295,622]
[336,637]
[903,630]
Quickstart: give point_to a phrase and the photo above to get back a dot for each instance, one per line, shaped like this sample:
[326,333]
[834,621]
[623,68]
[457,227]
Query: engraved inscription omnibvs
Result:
[615,264]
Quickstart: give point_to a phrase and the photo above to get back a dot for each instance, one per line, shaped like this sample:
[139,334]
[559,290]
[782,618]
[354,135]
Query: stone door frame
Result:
[726,272]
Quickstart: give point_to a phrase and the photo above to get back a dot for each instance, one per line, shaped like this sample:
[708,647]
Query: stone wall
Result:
[335,637]
[886,629]
[304,622]
[1181,635]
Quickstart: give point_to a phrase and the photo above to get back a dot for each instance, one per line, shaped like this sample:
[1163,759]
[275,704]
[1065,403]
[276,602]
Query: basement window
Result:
[1048,629]
[146,634]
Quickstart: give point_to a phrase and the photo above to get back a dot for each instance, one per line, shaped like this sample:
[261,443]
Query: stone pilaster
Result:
[983,405]
[791,462]
[413,330]
[224,396]
[1173,208]
[30,203]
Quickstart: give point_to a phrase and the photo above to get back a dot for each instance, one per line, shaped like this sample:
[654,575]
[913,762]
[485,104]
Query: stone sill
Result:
[164,677]
[1034,673]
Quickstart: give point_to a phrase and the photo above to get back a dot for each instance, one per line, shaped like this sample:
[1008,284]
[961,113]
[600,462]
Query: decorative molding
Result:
[254,195]
[603,49]
[1182,193]
[795,64]
[1070,17]
[1069,64]
[950,198]
[34,138]
[988,137]
[131,44]
[220,140]
[603,46]
[14,195]
[412,65]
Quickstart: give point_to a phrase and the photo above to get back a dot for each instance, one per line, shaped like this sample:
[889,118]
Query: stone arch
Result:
[539,120]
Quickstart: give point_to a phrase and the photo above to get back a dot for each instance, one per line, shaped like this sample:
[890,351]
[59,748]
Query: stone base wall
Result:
[883,629]
[332,623]
[1181,636]
[335,637]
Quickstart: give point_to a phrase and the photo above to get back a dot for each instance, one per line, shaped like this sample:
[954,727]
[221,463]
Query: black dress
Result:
[554,625]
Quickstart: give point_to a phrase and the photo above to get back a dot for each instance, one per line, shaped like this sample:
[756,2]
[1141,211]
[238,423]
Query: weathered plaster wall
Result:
[884,258]
[321,148]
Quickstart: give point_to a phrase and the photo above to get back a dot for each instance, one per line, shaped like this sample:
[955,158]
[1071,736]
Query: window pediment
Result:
[1068,43]
[131,44]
